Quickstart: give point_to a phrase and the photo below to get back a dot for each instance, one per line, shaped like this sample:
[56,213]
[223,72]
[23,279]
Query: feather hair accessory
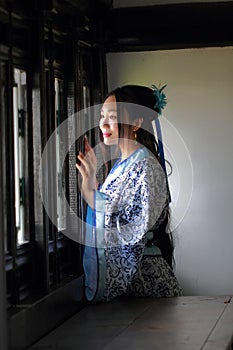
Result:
[161,102]
[161,99]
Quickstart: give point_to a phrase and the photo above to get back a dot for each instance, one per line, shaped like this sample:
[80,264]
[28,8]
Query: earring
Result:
[135,138]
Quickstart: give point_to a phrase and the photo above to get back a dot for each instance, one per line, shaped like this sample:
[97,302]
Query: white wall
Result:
[200,114]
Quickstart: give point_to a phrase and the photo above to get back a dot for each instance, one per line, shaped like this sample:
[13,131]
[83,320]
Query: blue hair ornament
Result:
[161,102]
[161,99]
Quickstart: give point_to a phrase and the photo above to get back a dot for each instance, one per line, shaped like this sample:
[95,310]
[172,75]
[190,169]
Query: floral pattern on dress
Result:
[136,201]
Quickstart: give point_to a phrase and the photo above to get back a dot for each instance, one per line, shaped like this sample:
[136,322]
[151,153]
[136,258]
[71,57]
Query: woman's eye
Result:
[109,118]
[113,117]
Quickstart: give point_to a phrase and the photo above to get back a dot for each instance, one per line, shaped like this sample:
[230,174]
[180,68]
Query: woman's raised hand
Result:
[87,168]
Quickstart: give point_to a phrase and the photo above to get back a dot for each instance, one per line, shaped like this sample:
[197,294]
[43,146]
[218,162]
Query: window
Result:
[20,120]
[41,84]
[60,146]
[3,113]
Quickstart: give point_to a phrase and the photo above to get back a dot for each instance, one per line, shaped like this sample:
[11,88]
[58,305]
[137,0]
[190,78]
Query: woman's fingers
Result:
[91,158]
[84,160]
[87,146]
[80,164]
[80,169]
[85,166]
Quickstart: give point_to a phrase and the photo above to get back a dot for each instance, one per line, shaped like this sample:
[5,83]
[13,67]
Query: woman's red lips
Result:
[106,134]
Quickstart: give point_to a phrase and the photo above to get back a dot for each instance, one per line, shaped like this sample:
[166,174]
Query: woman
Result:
[128,250]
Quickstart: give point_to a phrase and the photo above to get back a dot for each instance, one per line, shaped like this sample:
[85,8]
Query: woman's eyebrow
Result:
[109,110]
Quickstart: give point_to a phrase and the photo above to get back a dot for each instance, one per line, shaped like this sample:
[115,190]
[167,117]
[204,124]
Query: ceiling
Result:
[137,3]
[168,24]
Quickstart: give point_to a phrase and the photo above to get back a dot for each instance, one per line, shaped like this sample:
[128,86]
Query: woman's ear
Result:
[137,124]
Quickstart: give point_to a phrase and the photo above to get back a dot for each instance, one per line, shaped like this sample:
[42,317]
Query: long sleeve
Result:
[132,203]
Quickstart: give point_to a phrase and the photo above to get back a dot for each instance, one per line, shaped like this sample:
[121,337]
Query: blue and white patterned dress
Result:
[132,201]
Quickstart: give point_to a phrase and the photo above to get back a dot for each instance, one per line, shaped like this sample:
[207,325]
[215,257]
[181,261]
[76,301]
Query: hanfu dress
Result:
[131,203]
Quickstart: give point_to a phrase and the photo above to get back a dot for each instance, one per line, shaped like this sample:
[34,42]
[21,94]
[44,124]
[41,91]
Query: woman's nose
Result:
[104,122]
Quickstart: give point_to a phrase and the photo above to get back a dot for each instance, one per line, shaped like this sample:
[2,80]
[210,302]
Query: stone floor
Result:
[183,323]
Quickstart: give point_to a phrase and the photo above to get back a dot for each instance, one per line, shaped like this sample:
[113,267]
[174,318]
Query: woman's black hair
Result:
[135,98]
[139,102]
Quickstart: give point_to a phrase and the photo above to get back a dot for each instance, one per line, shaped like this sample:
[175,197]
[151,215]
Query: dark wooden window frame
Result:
[50,277]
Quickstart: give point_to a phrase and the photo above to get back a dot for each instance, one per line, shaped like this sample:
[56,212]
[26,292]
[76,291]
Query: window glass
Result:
[19,117]
[3,114]
[60,146]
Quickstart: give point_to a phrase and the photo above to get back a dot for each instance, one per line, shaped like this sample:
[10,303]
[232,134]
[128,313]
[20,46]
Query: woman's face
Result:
[108,121]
